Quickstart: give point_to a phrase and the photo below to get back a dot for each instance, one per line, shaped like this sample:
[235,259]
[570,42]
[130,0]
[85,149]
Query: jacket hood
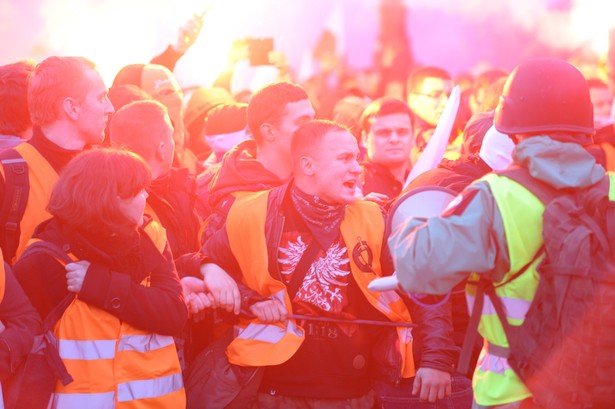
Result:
[560,164]
[241,171]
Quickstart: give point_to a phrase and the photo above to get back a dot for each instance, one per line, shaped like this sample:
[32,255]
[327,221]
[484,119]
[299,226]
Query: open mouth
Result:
[350,184]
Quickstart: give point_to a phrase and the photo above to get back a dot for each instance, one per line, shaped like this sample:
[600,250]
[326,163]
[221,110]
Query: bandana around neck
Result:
[315,212]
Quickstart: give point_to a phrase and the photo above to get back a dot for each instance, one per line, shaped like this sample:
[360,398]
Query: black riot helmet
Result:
[545,95]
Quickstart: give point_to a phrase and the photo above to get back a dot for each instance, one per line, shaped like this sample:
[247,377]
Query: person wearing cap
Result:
[200,103]
[224,127]
[494,227]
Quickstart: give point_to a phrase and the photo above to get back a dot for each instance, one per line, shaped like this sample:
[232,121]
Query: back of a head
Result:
[381,107]
[268,104]
[226,119]
[308,137]
[492,95]
[200,103]
[545,95]
[14,80]
[53,80]
[418,75]
[481,87]
[225,127]
[86,196]
[139,127]
[348,111]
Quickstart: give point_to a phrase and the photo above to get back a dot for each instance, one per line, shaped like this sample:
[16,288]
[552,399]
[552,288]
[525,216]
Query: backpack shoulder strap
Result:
[540,189]
[42,246]
[16,190]
[51,352]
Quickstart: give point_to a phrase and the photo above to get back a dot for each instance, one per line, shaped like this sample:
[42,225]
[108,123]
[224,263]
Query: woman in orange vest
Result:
[116,337]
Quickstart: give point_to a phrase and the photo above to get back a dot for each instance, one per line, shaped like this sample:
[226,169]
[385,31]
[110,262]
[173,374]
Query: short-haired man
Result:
[310,247]
[387,134]
[69,109]
[144,127]
[274,113]
[15,124]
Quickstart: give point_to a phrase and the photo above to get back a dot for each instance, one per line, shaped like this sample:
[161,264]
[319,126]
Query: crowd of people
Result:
[222,244]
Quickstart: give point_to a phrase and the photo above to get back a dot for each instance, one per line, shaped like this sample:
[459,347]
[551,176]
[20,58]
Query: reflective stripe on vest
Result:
[126,392]
[266,345]
[114,364]
[268,333]
[41,178]
[514,307]
[150,388]
[105,349]
[83,400]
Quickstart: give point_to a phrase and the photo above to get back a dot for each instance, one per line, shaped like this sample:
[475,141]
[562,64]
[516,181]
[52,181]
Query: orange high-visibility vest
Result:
[259,344]
[609,153]
[113,364]
[41,178]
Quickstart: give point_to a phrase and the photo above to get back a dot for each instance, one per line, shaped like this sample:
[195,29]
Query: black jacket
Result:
[113,280]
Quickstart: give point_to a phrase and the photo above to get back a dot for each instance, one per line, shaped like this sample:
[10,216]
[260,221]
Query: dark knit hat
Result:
[226,118]
[204,99]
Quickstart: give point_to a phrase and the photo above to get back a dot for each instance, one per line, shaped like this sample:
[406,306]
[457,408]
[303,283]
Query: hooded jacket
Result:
[240,171]
[434,256]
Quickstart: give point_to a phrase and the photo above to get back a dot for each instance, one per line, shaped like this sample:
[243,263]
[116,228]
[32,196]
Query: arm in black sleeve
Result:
[217,250]
[21,322]
[168,58]
[434,346]
[159,307]
[43,280]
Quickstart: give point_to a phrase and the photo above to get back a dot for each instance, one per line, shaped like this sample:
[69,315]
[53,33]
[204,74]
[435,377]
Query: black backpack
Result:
[564,351]
[13,205]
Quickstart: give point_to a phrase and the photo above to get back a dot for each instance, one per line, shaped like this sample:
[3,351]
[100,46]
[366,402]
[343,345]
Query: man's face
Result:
[429,99]
[295,114]
[389,140]
[602,100]
[336,168]
[94,109]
